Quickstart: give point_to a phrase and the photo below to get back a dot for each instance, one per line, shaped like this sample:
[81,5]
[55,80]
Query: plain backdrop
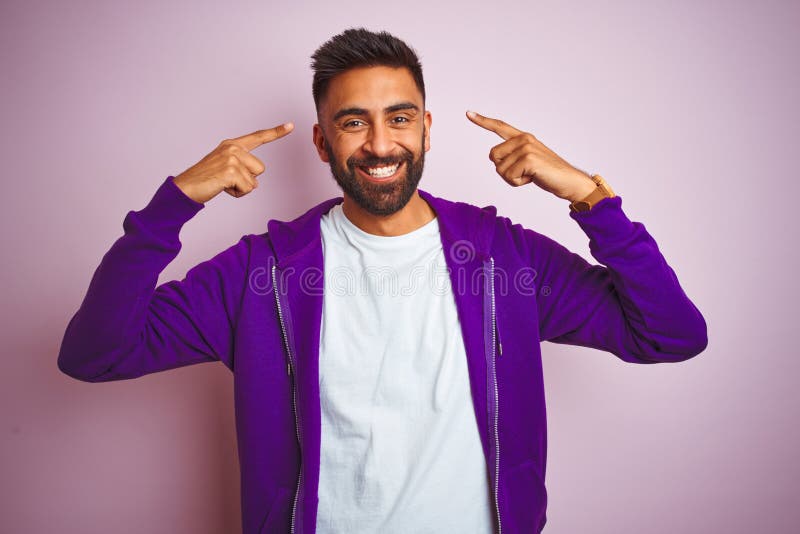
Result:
[689,109]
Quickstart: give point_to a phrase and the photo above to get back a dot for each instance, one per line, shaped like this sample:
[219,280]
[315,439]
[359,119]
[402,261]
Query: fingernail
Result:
[471,114]
[288,126]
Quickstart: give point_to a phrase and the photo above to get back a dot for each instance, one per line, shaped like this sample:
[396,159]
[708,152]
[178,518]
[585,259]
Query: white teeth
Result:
[382,171]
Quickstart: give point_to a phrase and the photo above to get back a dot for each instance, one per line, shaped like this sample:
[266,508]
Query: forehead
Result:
[371,88]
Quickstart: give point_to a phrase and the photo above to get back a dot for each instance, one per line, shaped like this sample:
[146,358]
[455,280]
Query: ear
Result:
[318,138]
[427,121]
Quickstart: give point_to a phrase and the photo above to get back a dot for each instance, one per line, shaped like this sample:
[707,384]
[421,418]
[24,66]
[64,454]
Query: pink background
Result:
[690,112]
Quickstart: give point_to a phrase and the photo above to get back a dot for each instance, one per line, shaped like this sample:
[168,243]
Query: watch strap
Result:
[603,190]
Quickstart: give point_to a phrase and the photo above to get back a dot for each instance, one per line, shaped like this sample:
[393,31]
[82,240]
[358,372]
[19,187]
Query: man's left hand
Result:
[522,159]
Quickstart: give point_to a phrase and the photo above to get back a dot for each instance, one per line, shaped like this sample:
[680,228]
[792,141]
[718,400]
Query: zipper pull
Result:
[499,341]
[288,368]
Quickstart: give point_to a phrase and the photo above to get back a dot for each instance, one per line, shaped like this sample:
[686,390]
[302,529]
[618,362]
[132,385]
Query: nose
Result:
[379,141]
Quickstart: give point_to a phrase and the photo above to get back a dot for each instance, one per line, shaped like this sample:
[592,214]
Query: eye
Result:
[405,119]
[349,123]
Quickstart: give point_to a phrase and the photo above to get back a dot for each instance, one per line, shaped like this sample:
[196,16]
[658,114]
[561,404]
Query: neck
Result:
[413,215]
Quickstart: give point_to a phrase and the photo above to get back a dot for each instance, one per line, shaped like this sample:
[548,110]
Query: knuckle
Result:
[231,176]
[227,144]
[230,147]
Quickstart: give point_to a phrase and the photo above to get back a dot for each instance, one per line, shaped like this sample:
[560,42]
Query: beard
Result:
[379,199]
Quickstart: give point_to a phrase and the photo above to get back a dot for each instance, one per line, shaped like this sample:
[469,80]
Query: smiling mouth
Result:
[381,173]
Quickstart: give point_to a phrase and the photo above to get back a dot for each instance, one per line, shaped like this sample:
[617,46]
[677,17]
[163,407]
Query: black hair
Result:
[359,47]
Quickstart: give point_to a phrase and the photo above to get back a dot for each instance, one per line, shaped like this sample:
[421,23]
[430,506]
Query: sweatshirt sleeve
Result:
[632,305]
[127,327]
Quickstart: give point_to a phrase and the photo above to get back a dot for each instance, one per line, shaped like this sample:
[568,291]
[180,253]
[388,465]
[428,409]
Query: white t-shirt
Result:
[400,449]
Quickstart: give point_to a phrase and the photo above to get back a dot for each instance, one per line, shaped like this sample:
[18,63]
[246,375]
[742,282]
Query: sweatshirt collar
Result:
[464,228]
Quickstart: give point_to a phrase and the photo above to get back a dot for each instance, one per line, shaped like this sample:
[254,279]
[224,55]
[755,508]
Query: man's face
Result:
[371,119]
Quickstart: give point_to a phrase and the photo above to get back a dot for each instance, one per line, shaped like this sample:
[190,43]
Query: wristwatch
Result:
[603,190]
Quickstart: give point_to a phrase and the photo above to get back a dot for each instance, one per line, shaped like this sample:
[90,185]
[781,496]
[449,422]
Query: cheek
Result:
[345,148]
[410,142]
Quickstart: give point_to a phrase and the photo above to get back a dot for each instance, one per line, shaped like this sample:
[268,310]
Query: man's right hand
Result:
[230,167]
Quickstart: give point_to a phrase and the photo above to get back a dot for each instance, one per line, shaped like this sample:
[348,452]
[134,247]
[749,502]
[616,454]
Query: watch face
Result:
[604,187]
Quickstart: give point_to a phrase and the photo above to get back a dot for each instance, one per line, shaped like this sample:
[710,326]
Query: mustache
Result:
[376,162]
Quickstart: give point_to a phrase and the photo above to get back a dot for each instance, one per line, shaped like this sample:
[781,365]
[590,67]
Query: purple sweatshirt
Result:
[257,308]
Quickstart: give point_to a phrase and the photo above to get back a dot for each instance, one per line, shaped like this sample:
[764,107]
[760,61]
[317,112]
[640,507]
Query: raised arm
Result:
[631,305]
[126,326]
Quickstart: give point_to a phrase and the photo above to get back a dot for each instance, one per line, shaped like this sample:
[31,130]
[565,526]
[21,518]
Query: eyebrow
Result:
[362,112]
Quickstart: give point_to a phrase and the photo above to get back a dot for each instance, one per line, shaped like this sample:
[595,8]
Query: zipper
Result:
[496,398]
[291,365]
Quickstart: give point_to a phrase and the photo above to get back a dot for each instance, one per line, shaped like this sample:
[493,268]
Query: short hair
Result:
[359,47]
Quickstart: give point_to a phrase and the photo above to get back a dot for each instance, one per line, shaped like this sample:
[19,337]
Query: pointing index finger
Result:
[497,126]
[259,137]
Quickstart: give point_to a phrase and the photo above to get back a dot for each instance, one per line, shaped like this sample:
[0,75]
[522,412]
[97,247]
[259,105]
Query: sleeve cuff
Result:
[170,207]
[177,190]
[605,221]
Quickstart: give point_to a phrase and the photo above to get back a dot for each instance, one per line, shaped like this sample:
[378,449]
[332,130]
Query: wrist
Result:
[584,187]
[602,190]
[186,190]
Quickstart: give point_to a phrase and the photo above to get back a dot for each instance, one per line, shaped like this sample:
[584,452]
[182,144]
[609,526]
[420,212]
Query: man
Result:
[417,409]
